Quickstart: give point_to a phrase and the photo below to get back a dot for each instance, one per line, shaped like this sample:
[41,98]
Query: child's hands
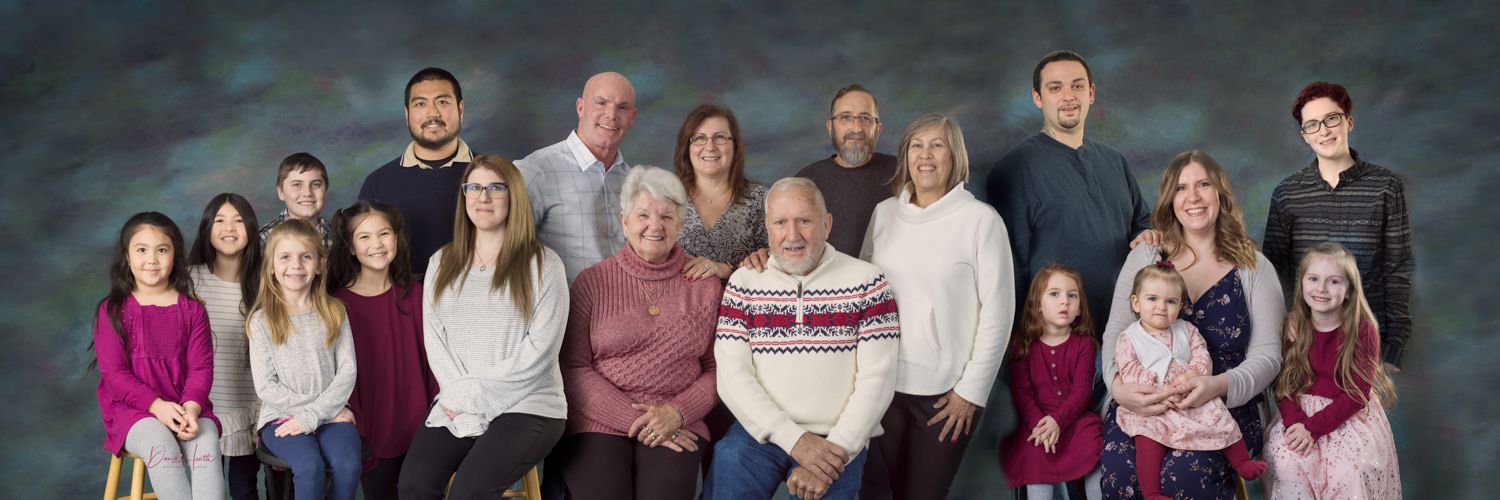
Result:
[170,414]
[344,416]
[1045,434]
[291,428]
[1298,439]
[190,413]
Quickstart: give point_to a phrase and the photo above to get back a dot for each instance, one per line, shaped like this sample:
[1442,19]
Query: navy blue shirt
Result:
[426,196]
[1079,208]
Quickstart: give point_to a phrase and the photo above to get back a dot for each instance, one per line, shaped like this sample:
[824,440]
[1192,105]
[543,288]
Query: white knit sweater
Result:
[814,353]
[951,268]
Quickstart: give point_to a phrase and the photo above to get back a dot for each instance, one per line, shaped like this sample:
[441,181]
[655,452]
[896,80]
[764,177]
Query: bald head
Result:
[606,110]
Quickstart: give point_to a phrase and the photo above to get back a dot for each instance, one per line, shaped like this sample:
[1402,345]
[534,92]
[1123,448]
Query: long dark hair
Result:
[737,180]
[203,252]
[344,267]
[122,281]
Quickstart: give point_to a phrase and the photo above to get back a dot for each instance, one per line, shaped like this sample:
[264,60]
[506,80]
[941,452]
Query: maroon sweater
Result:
[1323,355]
[391,395]
[616,354]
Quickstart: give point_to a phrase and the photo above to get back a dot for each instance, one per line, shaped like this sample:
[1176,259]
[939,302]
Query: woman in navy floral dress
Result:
[1238,308]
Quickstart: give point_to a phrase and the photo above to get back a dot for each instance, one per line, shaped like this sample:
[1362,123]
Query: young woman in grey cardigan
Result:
[1238,308]
[494,308]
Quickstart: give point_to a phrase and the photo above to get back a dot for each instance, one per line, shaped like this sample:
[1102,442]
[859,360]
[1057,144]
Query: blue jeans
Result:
[334,446]
[744,468]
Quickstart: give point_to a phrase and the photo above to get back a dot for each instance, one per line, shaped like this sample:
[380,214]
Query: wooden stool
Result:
[137,478]
[531,486]
[1239,489]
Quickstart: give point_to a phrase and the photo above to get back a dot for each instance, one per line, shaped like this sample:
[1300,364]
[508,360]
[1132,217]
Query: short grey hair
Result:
[798,183]
[658,183]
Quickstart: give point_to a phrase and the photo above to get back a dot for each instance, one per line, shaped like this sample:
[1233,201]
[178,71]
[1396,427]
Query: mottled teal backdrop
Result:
[113,108]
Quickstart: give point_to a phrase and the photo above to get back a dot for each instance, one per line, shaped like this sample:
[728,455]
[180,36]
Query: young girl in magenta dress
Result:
[1165,351]
[1333,439]
[302,360]
[370,271]
[1051,371]
[155,356]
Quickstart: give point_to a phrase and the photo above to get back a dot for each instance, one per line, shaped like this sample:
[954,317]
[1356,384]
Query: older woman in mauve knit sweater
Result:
[637,361]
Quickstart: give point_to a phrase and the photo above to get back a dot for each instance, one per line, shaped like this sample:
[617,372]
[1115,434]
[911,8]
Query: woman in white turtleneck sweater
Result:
[948,259]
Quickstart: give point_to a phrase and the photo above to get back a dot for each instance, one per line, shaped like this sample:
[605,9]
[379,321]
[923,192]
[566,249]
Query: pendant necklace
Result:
[653,310]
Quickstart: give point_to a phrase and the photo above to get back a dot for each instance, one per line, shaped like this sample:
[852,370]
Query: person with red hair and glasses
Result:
[1339,197]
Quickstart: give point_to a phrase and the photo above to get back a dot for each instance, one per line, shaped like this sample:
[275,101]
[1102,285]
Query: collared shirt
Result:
[575,202]
[425,195]
[321,224]
[1366,213]
[462,155]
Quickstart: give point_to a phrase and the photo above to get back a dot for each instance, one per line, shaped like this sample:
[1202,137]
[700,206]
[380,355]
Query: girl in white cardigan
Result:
[956,300]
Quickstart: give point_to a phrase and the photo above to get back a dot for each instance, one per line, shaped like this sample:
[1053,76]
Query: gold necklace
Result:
[650,300]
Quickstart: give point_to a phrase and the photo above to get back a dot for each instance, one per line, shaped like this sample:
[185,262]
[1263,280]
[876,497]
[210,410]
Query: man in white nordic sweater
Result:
[806,353]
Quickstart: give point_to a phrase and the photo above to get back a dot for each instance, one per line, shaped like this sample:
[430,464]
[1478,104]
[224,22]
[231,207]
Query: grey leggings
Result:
[169,460]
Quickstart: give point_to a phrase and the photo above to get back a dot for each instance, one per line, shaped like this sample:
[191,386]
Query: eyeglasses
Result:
[719,139]
[850,118]
[472,189]
[1329,121]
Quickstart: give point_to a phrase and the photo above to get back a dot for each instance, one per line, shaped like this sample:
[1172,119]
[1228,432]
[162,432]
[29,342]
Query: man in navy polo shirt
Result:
[423,181]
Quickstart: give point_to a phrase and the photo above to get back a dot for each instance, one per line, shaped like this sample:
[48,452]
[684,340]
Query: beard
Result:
[440,141]
[804,266]
[856,154]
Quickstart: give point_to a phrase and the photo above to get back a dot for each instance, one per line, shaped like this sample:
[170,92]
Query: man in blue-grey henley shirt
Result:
[1066,199]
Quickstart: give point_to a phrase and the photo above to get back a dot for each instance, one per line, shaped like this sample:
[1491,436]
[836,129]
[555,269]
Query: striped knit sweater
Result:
[487,361]
[1366,214]
[814,353]
[233,391]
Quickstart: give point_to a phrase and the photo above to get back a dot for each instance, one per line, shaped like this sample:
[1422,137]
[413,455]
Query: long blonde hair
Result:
[520,245]
[271,301]
[1354,358]
[1231,242]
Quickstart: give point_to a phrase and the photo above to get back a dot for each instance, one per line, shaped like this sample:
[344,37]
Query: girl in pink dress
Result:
[1164,351]
[1333,439]
[1058,439]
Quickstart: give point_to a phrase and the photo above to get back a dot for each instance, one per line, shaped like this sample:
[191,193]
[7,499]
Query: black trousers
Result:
[243,471]
[908,461]
[604,466]
[380,483]
[485,465]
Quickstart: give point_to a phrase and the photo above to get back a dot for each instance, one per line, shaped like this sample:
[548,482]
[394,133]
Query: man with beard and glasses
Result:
[1066,199]
[423,181]
[575,184]
[863,176]
[815,315]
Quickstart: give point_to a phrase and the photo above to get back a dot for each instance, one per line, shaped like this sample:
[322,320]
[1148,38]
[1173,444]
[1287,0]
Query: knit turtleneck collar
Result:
[952,200]
[637,267]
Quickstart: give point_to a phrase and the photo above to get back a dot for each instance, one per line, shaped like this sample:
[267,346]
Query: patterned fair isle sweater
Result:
[814,353]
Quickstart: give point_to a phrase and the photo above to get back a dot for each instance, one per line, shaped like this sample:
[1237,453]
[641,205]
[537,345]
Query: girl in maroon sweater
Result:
[1333,439]
[1051,371]
[370,271]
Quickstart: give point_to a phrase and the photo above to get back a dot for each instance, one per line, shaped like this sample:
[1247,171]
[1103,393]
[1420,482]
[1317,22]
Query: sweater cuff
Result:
[977,392]
[786,436]
[1392,352]
[308,419]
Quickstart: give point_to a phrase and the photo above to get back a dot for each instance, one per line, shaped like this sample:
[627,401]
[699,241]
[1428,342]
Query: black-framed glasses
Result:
[1330,121]
[719,139]
[472,189]
[850,118]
